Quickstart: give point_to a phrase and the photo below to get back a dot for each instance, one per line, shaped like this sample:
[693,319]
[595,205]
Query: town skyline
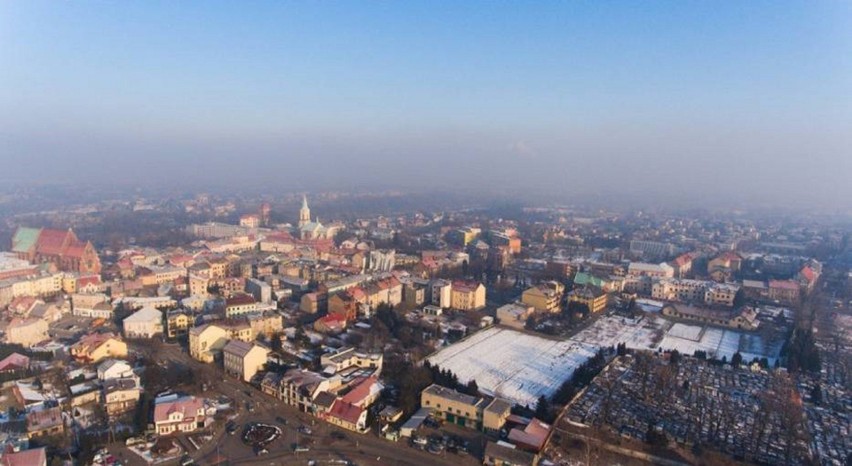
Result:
[711,104]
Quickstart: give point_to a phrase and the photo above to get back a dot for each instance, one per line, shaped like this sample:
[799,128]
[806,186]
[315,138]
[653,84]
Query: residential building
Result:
[544,297]
[347,416]
[239,305]
[31,457]
[595,299]
[120,396]
[243,360]
[44,422]
[467,295]
[345,358]
[26,332]
[206,342]
[784,291]
[95,347]
[178,322]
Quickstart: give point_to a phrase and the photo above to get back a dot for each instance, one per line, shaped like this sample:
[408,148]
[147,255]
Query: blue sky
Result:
[567,87]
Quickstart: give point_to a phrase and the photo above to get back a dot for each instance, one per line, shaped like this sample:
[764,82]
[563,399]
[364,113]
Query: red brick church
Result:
[59,247]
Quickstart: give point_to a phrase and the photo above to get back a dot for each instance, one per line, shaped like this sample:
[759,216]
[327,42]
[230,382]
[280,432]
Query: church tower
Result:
[304,212]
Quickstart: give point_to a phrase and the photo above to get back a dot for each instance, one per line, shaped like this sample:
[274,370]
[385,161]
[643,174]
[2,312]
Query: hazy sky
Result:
[730,101]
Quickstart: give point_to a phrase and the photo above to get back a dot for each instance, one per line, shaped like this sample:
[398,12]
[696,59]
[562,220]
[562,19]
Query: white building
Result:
[144,323]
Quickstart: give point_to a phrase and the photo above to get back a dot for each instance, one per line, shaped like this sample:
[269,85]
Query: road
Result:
[362,449]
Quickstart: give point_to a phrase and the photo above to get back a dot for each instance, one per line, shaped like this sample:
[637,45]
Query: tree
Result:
[816,394]
[543,410]
[674,357]
[736,360]
[472,388]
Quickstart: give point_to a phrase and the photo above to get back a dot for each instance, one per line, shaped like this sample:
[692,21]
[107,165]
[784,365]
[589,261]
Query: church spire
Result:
[304,212]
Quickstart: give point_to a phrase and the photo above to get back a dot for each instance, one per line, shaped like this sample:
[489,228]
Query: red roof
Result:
[52,241]
[783,284]
[33,457]
[346,411]
[808,273]
[362,391]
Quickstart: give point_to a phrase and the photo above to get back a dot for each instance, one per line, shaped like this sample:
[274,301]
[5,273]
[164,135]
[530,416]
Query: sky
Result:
[696,102]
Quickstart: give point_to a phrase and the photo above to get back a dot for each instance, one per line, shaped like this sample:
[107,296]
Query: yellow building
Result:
[545,297]
[467,296]
[465,410]
[206,342]
[594,298]
[178,323]
[97,346]
[243,360]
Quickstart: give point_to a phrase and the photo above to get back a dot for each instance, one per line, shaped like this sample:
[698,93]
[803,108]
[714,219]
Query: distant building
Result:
[59,247]
[641,269]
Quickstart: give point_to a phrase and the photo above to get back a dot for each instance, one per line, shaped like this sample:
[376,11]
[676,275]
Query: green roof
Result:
[583,278]
[25,239]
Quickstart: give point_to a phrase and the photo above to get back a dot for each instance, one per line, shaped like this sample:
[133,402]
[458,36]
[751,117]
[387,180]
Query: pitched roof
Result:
[346,411]
[367,387]
[14,361]
[146,314]
[25,239]
[189,406]
[32,457]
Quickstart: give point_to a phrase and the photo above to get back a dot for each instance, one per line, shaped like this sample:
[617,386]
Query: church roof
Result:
[311,226]
[25,239]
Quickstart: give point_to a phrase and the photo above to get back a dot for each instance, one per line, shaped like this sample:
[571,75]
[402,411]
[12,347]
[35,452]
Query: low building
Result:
[243,360]
[185,414]
[120,396]
[45,422]
[144,323]
[26,332]
[347,416]
[503,454]
[31,457]
[345,358]
[744,318]
[514,315]
[95,347]
[465,410]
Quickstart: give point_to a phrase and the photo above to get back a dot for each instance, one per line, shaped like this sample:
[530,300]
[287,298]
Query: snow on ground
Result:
[520,366]
[610,331]
[687,332]
[513,365]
